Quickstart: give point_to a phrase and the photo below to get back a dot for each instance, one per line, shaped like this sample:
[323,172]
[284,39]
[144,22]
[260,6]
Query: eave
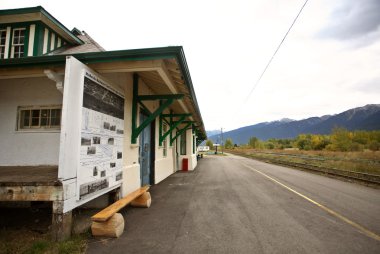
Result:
[38,13]
[165,56]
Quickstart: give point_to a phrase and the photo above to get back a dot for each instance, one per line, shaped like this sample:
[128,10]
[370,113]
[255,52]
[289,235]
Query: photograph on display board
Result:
[101,138]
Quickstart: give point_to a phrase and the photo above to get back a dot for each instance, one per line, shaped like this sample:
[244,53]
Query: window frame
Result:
[15,45]
[47,127]
[182,144]
[194,144]
[2,52]
[165,141]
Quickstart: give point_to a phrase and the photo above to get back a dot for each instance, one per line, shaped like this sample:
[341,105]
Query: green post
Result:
[134,107]
[160,129]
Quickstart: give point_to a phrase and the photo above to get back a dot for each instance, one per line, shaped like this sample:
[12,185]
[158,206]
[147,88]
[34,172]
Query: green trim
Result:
[95,57]
[171,133]
[179,132]
[185,122]
[134,106]
[165,121]
[176,115]
[13,26]
[186,74]
[171,128]
[37,39]
[112,56]
[160,97]
[46,14]
[160,128]
[172,124]
[26,40]
[145,108]
[56,41]
[48,41]
[136,132]
[137,99]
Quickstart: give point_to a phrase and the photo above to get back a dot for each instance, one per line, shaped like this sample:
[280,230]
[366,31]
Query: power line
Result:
[274,54]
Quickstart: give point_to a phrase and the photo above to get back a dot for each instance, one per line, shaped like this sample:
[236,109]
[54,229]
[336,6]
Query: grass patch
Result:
[362,162]
[22,241]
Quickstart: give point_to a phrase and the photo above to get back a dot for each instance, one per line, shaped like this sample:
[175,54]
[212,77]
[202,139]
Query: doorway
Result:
[146,152]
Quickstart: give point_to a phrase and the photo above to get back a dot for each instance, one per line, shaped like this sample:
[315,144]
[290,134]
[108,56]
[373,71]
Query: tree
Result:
[229,144]
[319,142]
[253,142]
[341,140]
[210,144]
[303,141]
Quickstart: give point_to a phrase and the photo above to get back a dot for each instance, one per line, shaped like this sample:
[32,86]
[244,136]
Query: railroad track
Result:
[309,157]
[363,177]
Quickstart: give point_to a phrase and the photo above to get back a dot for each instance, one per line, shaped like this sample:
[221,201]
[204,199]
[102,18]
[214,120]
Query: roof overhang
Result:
[38,14]
[163,70]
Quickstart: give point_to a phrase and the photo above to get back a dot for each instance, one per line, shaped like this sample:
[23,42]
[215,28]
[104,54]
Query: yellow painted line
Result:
[362,229]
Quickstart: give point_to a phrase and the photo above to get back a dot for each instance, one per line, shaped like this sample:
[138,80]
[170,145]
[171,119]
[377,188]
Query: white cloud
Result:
[354,21]
[228,43]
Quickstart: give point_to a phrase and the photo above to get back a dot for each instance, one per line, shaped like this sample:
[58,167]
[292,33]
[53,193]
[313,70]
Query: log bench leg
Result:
[113,227]
[144,200]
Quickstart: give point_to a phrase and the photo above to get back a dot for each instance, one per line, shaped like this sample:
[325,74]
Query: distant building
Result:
[203,148]
[78,122]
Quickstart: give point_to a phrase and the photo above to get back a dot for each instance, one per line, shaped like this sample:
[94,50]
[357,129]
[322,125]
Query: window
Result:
[39,118]
[18,42]
[193,144]
[3,40]
[183,143]
[165,142]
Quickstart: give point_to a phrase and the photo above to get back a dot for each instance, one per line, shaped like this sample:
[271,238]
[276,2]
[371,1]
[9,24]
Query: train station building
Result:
[79,122]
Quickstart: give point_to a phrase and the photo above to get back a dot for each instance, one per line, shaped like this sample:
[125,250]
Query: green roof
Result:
[113,56]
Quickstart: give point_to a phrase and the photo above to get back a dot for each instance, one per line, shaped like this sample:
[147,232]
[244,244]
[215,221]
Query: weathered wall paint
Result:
[27,147]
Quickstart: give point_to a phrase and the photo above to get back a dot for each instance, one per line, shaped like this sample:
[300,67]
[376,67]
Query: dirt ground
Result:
[22,226]
[26,229]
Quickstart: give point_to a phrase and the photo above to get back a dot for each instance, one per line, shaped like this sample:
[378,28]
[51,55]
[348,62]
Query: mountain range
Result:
[361,118]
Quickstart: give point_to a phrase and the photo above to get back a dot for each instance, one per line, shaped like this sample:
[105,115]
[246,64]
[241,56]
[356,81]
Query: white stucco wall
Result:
[131,168]
[164,165]
[42,147]
[192,158]
[20,148]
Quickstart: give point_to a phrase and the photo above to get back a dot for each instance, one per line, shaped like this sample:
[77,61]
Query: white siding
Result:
[46,37]
[192,158]
[52,41]
[32,32]
[21,147]
[7,43]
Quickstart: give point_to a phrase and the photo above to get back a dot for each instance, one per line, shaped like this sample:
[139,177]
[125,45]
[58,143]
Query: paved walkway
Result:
[227,206]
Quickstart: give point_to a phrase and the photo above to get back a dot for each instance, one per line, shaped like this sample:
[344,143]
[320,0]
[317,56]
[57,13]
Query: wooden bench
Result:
[109,223]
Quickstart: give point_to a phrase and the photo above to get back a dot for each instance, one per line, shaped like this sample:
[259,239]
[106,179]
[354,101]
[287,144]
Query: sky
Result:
[328,63]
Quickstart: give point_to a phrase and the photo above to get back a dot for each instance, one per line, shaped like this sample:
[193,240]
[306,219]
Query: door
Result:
[145,152]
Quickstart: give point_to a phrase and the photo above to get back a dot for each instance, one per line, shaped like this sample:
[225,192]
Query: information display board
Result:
[92,133]
[102,131]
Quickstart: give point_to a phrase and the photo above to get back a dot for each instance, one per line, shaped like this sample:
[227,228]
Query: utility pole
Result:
[221,130]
